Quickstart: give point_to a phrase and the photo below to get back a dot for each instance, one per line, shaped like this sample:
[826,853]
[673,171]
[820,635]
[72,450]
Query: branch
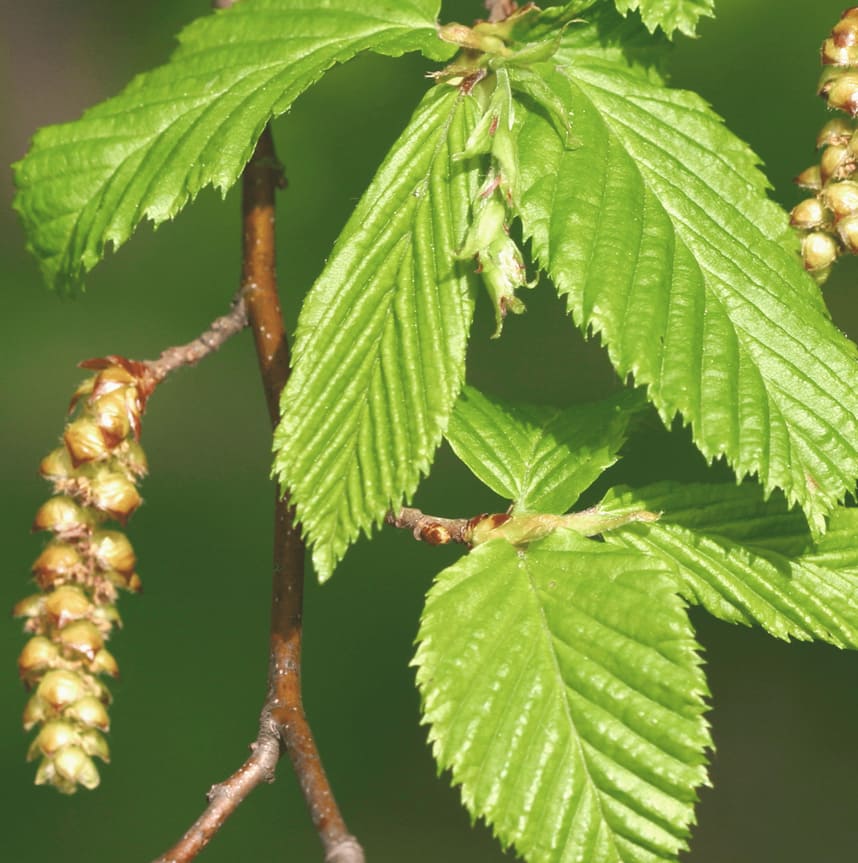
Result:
[433,528]
[283,724]
[221,329]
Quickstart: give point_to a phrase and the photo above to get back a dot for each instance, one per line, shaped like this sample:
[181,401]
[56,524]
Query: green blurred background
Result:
[193,651]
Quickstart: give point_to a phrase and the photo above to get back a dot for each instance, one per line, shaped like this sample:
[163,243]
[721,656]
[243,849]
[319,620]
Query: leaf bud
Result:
[58,562]
[835,132]
[62,515]
[841,198]
[808,214]
[76,767]
[818,251]
[39,654]
[115,495]
[112,550]
[842,93]
[810,179]
[82,637]
[847,228]
[85,442]
[89,711]
[61,688]
[67,604]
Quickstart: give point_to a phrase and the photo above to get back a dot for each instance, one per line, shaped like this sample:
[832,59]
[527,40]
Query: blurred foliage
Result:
[194,645]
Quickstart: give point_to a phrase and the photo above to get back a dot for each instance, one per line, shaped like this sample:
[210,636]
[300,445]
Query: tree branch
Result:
[221,329]
[283,724]
[433,528]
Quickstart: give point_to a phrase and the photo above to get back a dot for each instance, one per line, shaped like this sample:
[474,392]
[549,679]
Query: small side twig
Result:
[433,528]
[499,10]
[221,329]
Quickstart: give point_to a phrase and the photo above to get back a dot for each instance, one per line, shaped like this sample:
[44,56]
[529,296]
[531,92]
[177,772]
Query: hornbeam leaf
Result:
[657,230]
[539,457]
[563,690]
[670,15]
[381,339]
[194,122]
[748,561]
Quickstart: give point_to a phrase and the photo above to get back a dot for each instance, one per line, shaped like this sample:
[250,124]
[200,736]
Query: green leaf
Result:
[564,693]
[540,457]
[670,15]
[658,232]
[381,340]
[86,185]
[747,561]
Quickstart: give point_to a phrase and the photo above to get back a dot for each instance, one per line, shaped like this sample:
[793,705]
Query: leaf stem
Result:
[283,724]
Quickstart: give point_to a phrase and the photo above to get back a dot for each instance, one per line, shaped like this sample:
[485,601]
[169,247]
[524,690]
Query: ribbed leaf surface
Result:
[381,340]
[194,122]
[539,457]
[670,15]
[656,228]
[751,562]
[564,693]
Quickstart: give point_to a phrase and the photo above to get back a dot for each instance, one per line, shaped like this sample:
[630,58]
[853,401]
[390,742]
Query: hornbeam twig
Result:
[283,725]
[432,528]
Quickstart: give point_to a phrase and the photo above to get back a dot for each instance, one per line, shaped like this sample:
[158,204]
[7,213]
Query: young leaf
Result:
[657,230]
[564,693]
[670,15]
[380,345]
[540,457]
[193,122]
[738,571]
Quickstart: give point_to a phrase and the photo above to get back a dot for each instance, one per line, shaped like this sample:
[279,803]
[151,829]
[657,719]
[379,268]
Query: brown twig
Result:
[433,528]
[283,724]
[221,329]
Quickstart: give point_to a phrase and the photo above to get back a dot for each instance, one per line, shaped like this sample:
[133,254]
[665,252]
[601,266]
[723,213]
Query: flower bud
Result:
[841,198]
[39,654]
[85,441]
[67,604]
[810,178]
[53,736]
[89,711]
[75,766]
[82,637]
[58,562]
[93,743]
[842,93]
[115,495]
[847,228]
[133,459]
[819,251]
[62,516]
[808,214]
[837,132]
[845,31]
[61,688]
[105,617]
[836,162]
[104,663]
[112,415]
[36,710]
[30,606]
[834,54]
[57,465]
[112,550]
